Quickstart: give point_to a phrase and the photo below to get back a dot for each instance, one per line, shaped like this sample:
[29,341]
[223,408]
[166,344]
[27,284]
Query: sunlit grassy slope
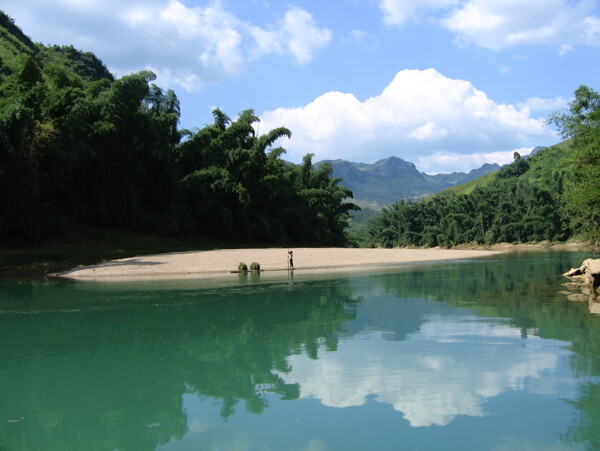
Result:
[540,165]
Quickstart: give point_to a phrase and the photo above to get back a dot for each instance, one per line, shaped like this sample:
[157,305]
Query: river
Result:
[487,354]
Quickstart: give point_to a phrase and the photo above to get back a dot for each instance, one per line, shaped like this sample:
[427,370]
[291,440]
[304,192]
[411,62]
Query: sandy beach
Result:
[223,261]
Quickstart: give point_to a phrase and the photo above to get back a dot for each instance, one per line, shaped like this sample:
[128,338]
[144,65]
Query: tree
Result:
[582,188]
[23,136]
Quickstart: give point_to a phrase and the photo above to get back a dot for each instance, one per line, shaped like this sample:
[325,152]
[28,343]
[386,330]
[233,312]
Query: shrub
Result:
[242,267]
[254,266]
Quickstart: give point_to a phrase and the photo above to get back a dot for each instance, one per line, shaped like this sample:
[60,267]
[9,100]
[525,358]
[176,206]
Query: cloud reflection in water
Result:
[450,367]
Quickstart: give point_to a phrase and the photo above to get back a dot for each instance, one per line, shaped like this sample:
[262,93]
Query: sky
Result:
[446,84]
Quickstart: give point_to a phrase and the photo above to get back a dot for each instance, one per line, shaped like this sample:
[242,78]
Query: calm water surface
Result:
[483,355]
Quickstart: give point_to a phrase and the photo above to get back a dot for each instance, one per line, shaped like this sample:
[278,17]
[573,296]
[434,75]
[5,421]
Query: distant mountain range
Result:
[391,179]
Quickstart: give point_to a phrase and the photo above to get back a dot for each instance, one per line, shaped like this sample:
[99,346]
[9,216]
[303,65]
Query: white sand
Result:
[224,261]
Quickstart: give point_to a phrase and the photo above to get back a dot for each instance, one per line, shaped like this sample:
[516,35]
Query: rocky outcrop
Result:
[588,273]
[585,284]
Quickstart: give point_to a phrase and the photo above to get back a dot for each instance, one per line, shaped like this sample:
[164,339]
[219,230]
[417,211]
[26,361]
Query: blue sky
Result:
[446,84]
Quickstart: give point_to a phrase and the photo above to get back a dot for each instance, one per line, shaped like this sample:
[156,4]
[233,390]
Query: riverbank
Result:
[85,246]
[225,261]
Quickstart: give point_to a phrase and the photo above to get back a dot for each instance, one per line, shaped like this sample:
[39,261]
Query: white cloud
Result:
[419,116]
[498,24]
[302,35]
[538,104]
[186,46]
[564,49]
[362,39]
[399,12]
[297,35]
[430,385]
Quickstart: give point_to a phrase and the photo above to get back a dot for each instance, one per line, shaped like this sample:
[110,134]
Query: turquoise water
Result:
[484,355]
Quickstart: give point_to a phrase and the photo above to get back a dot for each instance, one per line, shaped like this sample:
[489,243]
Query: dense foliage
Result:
[77,146]
[227,174]
[582,189]
[523,203]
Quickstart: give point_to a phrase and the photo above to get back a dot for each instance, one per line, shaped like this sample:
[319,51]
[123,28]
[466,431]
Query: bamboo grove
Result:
[512,209]
[79,147]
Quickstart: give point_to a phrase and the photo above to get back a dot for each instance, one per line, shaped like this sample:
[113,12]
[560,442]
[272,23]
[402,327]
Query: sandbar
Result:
[224,261]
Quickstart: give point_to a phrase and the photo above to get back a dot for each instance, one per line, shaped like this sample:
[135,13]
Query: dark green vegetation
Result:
[551,196]
[391,179]
[78,147]
[582,189]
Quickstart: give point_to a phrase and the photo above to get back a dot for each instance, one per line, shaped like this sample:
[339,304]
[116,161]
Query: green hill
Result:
[522,202]
[540,167]
[15,45]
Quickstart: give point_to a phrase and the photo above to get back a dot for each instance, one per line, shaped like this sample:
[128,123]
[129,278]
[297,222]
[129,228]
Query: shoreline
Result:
[56,259]
[225,261]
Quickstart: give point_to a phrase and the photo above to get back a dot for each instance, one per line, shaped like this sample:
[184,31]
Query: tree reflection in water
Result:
[87,366]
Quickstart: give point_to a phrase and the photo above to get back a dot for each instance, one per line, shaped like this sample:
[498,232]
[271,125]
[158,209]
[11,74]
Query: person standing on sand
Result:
[290,259]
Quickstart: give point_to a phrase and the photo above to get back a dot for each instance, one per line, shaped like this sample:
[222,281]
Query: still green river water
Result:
[485,354]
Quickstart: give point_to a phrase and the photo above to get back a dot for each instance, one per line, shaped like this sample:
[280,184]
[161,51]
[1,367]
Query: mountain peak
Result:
[392,167]
[390,179]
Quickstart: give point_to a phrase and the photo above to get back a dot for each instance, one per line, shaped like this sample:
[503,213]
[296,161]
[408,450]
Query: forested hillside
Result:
[553,195]
[79,147]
